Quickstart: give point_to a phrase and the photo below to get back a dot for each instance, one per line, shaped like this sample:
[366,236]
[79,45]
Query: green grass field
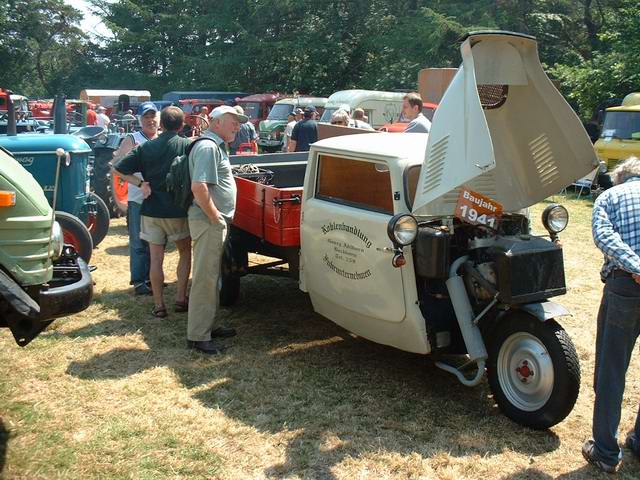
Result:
[112,393]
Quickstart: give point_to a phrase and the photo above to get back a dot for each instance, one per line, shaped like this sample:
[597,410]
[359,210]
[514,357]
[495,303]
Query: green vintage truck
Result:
[40,278]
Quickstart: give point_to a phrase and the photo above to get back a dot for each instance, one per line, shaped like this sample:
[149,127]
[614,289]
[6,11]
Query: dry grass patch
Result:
[113,393]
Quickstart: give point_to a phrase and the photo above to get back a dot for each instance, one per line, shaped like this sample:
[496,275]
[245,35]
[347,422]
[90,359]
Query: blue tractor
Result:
[60,164]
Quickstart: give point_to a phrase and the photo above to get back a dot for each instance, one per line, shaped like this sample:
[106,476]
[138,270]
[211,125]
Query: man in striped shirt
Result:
[616,232]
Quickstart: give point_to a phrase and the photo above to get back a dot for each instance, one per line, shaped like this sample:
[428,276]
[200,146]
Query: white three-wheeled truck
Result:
[422,242]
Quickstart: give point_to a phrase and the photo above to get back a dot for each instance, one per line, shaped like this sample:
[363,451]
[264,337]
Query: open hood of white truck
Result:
[502,129]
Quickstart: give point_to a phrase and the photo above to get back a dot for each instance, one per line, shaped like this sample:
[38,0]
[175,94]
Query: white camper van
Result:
[379,107]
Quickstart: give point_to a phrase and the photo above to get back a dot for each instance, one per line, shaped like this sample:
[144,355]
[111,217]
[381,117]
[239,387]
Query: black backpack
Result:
[179,178]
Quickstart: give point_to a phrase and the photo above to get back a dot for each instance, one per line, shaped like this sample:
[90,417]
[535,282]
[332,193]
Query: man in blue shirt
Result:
[616,232]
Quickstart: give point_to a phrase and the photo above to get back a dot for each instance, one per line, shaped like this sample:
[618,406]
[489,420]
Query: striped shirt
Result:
[616,227]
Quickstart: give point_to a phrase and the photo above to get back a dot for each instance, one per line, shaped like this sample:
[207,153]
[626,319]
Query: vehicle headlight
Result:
[555,218]
[57,240]
[402,229]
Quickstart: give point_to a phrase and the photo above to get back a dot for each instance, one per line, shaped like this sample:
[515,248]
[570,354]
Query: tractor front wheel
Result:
[533,370]
[76,233]
[98,219]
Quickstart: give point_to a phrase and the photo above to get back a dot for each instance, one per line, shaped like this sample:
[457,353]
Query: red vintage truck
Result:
[258,106]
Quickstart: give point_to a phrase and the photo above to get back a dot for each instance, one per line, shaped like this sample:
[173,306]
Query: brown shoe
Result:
[181,307]
[159,311]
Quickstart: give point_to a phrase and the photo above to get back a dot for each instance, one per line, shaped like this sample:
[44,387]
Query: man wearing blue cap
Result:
[138,249]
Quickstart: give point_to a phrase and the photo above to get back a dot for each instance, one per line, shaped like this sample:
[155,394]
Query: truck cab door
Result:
[346,259]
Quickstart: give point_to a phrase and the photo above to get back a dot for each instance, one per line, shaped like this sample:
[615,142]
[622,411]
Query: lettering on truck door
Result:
[345,243]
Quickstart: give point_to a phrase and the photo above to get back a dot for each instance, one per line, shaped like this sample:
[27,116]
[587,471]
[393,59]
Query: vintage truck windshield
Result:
[328,113]
[622,125]
[280,112]
[251,109]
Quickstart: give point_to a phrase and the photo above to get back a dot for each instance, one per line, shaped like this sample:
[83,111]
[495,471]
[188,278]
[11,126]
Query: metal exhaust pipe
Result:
[470,331]
[60,114]
[12,129]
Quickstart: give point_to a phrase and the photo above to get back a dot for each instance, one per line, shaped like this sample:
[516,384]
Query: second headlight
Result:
[555,218]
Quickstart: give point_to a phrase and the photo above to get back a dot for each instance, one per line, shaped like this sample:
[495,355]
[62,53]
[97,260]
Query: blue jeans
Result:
[618,329]
[138,249]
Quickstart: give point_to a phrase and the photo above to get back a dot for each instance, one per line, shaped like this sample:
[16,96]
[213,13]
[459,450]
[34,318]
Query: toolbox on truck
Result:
[269,212]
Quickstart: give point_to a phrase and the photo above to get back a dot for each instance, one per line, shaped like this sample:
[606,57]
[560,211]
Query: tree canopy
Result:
[306,46]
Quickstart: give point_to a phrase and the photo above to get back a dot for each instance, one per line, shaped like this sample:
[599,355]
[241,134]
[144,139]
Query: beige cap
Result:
[221,110]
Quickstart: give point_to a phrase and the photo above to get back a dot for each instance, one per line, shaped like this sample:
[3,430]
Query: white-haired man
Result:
[102,119]
[616,232]
[214,192]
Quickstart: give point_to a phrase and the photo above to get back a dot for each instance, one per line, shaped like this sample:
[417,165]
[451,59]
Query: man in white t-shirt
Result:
[291,122]
[139,260]
[102,120]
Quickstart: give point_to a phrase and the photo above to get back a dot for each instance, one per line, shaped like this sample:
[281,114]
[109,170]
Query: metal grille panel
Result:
[544,160]
[435,167]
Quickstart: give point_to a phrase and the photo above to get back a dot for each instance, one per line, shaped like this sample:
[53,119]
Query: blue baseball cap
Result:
[147,107]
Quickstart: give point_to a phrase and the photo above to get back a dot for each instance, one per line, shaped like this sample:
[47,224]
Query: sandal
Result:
[159,311]
[181,307]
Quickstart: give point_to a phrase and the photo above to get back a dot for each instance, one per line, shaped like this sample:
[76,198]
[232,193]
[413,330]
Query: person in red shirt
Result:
[91,115]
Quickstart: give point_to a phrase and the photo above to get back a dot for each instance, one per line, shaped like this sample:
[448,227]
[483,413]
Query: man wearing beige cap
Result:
[214,192]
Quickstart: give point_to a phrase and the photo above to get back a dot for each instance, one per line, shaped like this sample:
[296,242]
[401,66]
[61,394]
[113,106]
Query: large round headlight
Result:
[57,240]
[402,229]
[555,218]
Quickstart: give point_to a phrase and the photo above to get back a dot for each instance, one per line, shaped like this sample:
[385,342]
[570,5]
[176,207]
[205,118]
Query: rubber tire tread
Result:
[74,225]
[101,181]
[566,382]
[102,220]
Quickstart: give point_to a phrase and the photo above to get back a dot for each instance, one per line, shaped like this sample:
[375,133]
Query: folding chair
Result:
[583,183]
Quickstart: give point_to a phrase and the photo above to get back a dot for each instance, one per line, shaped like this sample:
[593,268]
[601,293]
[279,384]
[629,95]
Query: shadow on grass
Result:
[118,229]
[4,443]
[334,395]
[118,250]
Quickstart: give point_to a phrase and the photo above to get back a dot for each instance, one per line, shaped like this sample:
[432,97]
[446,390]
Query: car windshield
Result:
[187,107]
[327,114]
[622,125]
[280,111]
[251,109]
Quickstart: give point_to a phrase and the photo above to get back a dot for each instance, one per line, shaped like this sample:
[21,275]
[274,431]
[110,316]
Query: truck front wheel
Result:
[533,370]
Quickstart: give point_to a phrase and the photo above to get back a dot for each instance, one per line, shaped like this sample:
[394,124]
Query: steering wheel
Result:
[199,124]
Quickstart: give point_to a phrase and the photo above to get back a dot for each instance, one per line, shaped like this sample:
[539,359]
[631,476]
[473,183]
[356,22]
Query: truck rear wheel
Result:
[229,282]
[75,233]
[98,220]
[533,370]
